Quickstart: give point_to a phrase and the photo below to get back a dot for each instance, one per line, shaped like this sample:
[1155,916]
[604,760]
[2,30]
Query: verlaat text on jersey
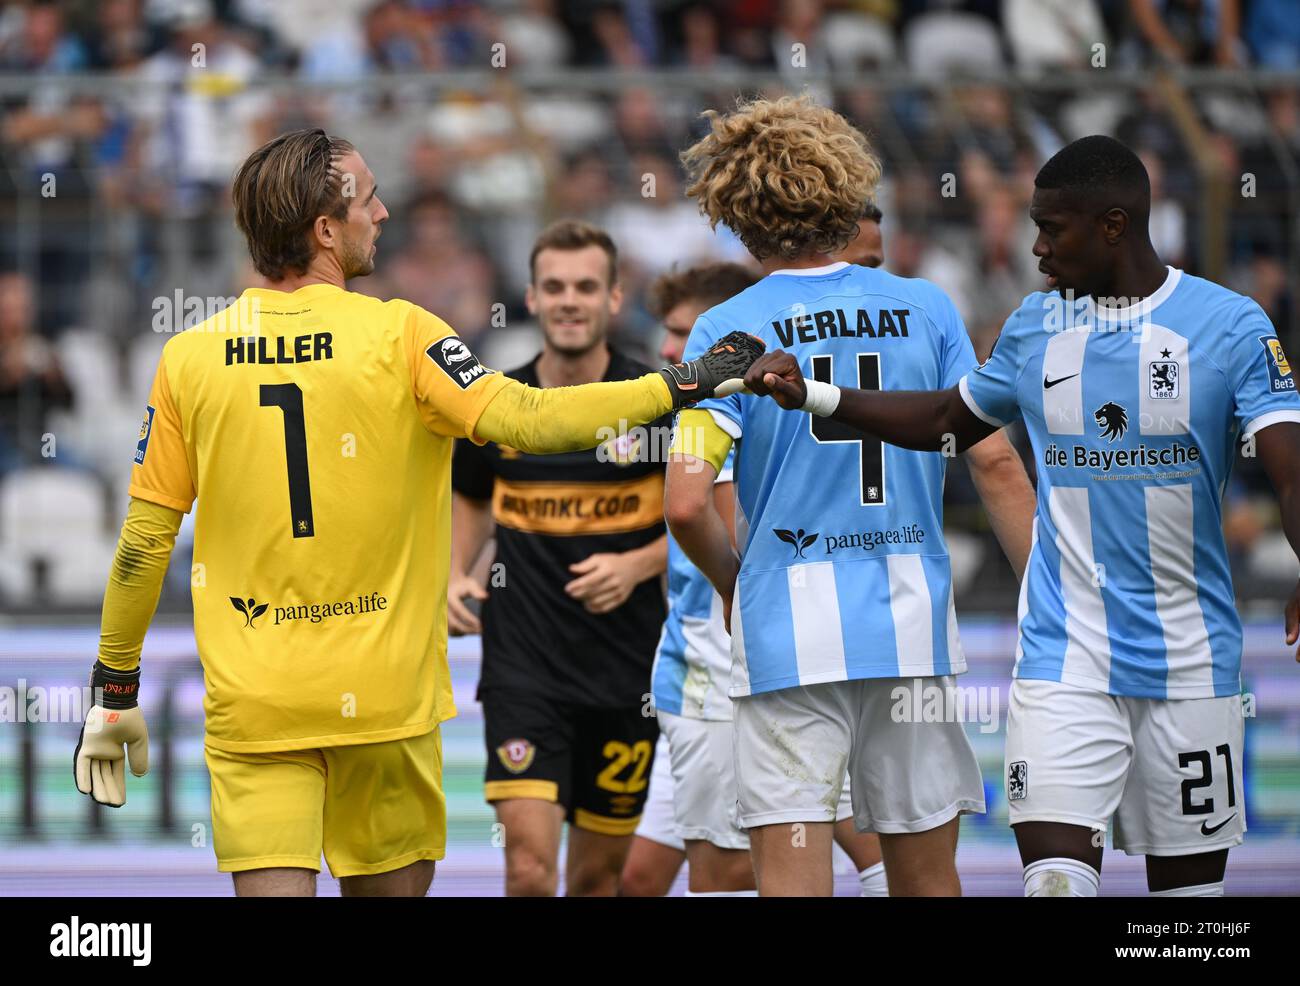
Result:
[299,349]
[834,323]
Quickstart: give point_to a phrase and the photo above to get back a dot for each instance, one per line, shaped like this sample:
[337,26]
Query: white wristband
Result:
[823,398]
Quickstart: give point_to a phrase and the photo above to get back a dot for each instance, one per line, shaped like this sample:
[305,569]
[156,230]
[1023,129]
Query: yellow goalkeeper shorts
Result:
[370,808]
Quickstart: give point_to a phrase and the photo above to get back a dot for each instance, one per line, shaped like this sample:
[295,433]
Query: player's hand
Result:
[113,722]
[604,581]
[1293,620]
[726,613]
[777,375]
[461,620]
[718,373]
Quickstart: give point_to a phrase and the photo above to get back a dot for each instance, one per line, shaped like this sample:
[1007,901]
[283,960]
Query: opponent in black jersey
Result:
[574,603]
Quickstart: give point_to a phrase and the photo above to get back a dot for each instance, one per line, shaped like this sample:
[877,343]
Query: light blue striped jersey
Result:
[844,570]
[692,668]
[1134,417]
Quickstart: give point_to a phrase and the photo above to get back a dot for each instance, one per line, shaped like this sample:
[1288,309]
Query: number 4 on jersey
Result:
[871,453]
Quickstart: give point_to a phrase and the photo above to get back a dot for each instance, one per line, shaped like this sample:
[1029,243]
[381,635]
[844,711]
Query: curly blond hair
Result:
[786,176]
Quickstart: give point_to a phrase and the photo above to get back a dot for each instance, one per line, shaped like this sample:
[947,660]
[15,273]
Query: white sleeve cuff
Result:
[1270,418]
[975,409]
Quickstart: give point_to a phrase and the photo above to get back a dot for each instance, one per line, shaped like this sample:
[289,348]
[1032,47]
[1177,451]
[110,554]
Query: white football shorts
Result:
[1168,771]
[702,753]
[795,747]
[657,822]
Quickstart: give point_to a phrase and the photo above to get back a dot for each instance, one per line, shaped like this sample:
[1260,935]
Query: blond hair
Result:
[786,176]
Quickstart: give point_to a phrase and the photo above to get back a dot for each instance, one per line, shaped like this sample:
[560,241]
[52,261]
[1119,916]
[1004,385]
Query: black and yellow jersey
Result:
[552,511]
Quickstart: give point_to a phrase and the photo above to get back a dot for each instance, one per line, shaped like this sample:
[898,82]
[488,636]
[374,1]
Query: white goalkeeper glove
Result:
[114,721]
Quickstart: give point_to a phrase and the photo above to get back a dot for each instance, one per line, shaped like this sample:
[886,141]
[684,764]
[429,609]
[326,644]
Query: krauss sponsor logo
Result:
[317,612]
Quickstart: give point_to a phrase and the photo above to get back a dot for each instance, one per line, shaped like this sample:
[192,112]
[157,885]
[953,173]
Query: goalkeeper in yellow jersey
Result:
[315,429]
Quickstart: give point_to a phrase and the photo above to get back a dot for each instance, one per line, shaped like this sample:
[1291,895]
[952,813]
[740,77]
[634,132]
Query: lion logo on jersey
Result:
[1112,419]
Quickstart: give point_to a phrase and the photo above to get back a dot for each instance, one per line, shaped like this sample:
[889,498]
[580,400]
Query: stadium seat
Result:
[854,42]
[53,518]
[41,510]
[941,43]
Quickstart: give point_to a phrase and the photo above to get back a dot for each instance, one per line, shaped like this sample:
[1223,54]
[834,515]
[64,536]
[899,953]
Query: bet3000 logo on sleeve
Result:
[1279,367]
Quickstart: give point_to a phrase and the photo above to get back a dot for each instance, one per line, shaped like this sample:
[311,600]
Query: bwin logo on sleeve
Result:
[454,359]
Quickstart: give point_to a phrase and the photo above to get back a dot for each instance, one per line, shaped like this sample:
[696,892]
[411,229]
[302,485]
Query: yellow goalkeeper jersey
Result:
[316,431]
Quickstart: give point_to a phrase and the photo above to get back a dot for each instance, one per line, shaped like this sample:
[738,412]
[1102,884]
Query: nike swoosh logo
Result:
[1049,384]
[1206,830]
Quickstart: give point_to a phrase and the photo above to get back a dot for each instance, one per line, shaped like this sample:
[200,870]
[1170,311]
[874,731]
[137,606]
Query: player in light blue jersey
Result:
[1134,381]
[841,602]
[692,669]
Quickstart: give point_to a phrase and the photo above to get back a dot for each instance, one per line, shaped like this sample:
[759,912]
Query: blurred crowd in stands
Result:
[114,201]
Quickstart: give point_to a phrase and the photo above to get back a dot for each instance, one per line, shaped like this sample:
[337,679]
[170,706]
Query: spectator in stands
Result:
[120,35]
[584,188]
[1273,33]
[1191,32]
[1053,34]
[46,140]
[1168,219]
[31,380]
[441,271]
[198,118]
[390,39]
[1000,268]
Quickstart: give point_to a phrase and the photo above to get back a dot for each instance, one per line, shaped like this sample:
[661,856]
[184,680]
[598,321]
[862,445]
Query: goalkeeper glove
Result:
[718,373]
[113,721]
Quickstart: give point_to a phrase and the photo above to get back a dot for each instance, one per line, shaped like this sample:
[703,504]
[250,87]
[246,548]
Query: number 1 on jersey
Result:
[288,398]
[871,452]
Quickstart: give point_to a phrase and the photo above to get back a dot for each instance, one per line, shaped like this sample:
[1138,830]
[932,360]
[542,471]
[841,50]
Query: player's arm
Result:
[698,452]
[564,419]
[724,502]
[471,527]
[134,584]
[604,581]
[1278,448]
[913,419]
[1008,498]
[161,491]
